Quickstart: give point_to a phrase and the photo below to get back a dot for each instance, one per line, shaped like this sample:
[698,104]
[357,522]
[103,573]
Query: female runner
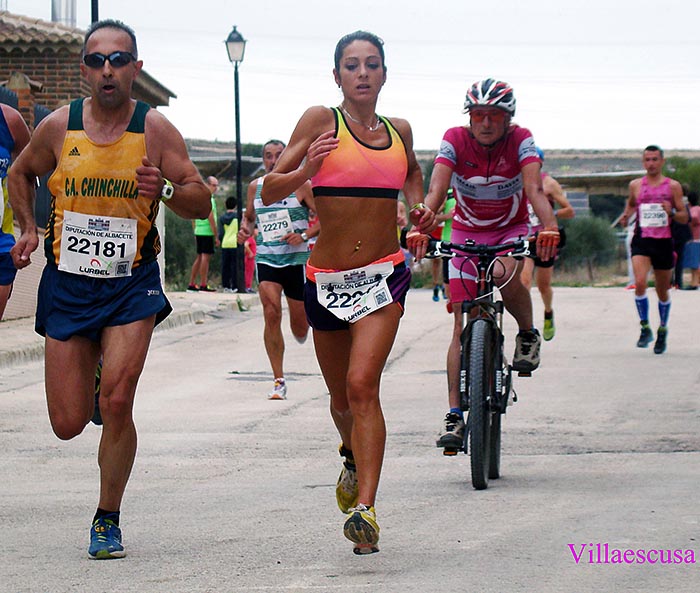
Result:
[357,279]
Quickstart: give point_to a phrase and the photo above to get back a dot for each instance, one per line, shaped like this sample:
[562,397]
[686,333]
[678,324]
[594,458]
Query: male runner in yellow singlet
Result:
[114,161]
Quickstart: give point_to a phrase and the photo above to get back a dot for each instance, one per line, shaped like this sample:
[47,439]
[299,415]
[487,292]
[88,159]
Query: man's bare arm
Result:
[168,159]
[38,158]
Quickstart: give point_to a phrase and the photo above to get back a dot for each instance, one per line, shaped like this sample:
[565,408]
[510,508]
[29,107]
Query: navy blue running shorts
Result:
[74,305]
[7,269]
[322,319]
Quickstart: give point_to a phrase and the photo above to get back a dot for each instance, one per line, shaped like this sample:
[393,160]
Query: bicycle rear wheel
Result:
[481,388]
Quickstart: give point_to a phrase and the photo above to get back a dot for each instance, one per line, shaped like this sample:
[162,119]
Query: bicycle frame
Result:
[484,306]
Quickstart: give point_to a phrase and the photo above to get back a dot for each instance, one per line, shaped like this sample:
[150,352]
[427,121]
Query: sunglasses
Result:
[495,115]
[117,59]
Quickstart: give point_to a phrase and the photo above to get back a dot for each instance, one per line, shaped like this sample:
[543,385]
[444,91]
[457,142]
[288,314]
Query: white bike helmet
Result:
[491,93]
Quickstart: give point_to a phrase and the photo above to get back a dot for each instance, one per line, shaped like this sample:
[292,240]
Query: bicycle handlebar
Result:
[470,247]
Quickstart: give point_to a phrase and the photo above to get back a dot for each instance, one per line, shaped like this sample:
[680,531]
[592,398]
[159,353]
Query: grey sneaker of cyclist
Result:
[453,435]
[527,351]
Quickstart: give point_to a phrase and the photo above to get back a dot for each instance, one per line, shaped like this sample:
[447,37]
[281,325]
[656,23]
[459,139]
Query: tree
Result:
[684,171]
[589,241]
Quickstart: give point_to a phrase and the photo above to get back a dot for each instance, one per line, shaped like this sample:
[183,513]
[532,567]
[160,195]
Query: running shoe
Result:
[105,540]
[96,414]
[192,288]
[362,529]
[645,337]
[279,391]
[661,335]
[436,293]
[453,435]
[347,488]
[527,351]
[548,330]
[206,288]
[241,306]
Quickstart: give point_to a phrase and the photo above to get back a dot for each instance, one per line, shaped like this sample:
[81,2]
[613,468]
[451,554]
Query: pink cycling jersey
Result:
[652,220]
[488,184]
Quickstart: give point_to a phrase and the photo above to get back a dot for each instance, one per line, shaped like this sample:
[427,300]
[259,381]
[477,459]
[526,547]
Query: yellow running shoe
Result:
[347,489]
[548,330]
[362,529]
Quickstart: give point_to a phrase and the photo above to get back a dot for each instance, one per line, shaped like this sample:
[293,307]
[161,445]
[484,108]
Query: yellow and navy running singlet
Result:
[99,181]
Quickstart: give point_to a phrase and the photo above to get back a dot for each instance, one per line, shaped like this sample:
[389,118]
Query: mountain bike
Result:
[485,377]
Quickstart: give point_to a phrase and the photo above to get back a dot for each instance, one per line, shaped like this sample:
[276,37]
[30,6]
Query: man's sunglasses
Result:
[117,59]
[495,115]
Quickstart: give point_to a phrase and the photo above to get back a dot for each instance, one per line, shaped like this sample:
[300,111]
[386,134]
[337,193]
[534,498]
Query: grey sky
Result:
[600,74]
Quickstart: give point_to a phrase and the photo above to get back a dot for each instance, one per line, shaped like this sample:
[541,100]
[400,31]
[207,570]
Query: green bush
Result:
[590,242]
[684,170]
[180,250]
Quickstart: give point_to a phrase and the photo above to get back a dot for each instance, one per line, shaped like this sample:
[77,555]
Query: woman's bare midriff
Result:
[354,231]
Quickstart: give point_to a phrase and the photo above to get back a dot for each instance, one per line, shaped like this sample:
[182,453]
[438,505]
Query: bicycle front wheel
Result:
[495,447]
[481,388]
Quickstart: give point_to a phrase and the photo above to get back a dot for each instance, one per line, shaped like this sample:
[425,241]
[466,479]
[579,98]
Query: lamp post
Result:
[235,46]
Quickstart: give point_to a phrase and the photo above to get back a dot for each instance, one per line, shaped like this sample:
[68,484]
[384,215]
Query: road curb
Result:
[35,352]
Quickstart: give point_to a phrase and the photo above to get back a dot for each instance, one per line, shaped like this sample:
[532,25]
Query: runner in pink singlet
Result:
[656,200]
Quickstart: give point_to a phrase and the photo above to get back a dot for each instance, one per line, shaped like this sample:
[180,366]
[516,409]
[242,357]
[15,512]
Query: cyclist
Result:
[657,200]
[490,164]
[556,196]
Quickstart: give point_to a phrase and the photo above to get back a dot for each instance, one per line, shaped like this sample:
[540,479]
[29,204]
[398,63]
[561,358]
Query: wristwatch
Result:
[304,236]
[168,190]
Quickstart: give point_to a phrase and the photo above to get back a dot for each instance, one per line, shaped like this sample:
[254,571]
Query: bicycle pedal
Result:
[450,451]
[524,373]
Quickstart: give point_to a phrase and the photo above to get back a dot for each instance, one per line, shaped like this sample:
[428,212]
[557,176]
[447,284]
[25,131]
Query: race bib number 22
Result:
[352,294]
[98,246]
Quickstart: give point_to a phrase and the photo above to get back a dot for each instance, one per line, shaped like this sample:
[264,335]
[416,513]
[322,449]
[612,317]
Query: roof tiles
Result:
[23,32]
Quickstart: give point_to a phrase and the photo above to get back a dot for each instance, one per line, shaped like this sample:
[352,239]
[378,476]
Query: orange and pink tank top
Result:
[355,169]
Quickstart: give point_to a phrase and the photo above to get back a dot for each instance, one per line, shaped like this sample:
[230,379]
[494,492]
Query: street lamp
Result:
[235,47]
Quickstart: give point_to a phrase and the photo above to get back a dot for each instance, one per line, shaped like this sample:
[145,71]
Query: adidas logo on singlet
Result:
[74,151]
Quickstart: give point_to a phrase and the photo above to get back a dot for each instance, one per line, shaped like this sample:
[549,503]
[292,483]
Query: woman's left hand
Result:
[422,217]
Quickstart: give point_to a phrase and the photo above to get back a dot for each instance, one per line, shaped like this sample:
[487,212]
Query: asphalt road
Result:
[234,493]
